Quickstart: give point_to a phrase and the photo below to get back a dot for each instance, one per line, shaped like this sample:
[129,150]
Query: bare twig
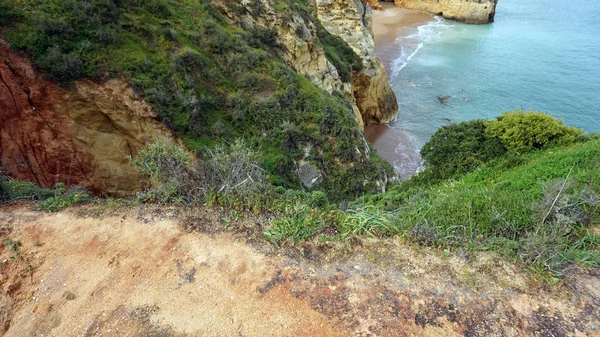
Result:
[557,195]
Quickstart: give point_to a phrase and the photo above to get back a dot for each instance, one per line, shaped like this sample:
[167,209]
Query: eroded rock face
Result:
[301,48]
[351,21]
[467,11]
[369,93]
[374,4]
[77,136]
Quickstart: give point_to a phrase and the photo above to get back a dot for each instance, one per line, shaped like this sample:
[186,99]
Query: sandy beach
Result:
[388,25]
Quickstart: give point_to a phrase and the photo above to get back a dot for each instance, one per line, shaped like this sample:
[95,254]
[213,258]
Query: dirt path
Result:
[139,273]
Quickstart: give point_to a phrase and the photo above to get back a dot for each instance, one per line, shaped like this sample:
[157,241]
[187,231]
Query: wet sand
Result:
[388,25]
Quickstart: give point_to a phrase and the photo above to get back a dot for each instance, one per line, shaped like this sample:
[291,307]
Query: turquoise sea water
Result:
[540,55]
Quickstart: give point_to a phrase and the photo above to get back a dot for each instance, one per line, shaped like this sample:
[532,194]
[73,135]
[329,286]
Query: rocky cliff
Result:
[369,91]
[351,21]
[216,72]
[301,49]
[467,11]
[79,136]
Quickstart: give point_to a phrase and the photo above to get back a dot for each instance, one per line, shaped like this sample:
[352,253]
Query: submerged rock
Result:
[444,99]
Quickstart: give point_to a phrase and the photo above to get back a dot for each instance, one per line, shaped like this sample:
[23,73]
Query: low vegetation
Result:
[522,185]
[539,208]
[210,81]
[525,131]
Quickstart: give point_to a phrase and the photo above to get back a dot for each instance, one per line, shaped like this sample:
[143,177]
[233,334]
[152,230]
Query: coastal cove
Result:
[534,56]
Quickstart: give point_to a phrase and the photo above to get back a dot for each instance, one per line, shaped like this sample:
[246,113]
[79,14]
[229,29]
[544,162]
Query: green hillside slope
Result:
[209,81]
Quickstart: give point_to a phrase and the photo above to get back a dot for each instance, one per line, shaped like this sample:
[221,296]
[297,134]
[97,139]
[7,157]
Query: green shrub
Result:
[368,221]
[62,67]
[456,149]
[162,160]
[298,223]
[63,35]
[10,11]
[170,168]
[318,199]
[524,131]
[63,198]
[259,36]
[15,190]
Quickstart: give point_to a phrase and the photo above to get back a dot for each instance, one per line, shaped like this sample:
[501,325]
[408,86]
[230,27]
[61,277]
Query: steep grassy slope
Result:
[208,81]
[541,208]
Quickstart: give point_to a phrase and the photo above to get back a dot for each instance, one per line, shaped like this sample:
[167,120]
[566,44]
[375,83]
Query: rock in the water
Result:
[444,99]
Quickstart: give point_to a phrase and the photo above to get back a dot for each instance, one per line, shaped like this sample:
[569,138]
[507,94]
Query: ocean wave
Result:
[411,44]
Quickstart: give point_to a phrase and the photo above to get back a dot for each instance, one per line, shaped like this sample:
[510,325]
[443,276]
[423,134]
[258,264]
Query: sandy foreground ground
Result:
[150,271]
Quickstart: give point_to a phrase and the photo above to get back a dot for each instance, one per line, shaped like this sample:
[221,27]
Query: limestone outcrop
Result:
[372,98]
[351,20]
[301,51]
[374,4]
[80,136]
[467,11]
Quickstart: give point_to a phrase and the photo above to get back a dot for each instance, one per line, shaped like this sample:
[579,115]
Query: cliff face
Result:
[79,136]
[235,81]
[301,48]
[369,92]
[351,21]
[467,11]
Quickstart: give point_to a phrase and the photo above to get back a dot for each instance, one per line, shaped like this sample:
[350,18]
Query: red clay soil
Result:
[36,142]
[79,135]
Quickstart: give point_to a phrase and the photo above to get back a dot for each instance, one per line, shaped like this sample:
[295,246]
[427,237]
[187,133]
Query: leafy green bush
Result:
[51,200]
[524,131]
[63,198]
[170,168]
[178,176]
[456,149]
[162,160]
[10,11]
[15,190]
[64,35]
[370,221]
[561,235]
[318,199]
[259,36]
[297,221]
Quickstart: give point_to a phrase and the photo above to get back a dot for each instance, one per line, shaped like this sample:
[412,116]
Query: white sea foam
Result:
[411,44]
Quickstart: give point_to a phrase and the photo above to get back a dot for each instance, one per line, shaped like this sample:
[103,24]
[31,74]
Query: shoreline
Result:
[390,24]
